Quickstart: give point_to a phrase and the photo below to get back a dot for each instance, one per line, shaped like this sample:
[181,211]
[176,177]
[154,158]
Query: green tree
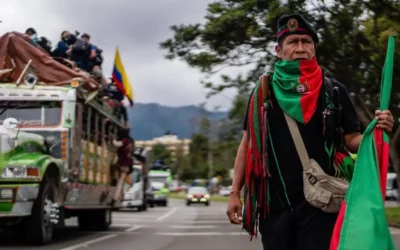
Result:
[353,38]
[160,151]
[198,155]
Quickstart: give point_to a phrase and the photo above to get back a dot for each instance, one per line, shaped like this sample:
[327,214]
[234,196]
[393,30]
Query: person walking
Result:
[298,91]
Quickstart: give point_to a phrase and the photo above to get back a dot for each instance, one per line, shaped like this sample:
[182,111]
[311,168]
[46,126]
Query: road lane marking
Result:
[192,227]
[133,228]
[87,243]
[167,214]
[200,233]
[394,231]
[158,221]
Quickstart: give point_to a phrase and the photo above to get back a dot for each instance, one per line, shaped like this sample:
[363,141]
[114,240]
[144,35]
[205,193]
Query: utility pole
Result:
[210,133]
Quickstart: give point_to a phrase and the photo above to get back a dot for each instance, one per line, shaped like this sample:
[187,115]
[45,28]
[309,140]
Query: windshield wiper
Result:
[4,110]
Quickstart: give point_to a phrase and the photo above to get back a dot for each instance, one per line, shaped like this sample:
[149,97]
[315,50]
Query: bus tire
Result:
[38,228]
[86,220]
[102,219]
[143,207]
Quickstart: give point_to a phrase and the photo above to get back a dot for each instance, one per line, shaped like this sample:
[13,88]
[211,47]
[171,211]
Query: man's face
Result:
[65,35]
[85,38]
[296,47]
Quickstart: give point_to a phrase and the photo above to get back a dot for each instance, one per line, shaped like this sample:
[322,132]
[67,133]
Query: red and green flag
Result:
[361,223]
[296,86]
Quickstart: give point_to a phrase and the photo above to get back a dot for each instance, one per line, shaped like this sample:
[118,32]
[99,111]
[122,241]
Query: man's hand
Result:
[385,120]
[234,210]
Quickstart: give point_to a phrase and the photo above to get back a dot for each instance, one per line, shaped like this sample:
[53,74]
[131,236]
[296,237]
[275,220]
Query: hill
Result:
[153,120]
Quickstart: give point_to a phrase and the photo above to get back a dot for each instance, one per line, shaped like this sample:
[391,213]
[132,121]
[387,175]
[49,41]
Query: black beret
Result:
[295,24]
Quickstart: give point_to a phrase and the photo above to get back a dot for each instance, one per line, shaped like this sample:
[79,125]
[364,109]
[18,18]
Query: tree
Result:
[180,161]
[160,151]
[198,155]
[353,37]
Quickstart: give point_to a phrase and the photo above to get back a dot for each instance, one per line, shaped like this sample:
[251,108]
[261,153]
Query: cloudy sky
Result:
[137,27]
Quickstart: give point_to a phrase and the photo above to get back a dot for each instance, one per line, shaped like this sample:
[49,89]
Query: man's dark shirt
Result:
[285,151]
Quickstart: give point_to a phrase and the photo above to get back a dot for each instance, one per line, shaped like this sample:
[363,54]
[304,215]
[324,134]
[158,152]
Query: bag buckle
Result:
[312,179]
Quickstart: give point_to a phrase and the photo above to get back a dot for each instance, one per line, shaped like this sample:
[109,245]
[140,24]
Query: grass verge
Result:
[183,196]
[393,215]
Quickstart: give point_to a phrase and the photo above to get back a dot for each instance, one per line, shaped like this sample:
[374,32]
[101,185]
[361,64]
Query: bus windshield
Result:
[32,113]
[136,175]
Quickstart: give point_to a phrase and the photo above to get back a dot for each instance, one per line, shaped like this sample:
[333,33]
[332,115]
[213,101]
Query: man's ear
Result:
[278,51]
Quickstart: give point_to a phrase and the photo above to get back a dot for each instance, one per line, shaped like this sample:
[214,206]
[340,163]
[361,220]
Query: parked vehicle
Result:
[225,191]
[392,187]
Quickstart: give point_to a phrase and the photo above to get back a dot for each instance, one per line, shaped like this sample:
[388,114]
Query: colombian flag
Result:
[121,78]
[361,223]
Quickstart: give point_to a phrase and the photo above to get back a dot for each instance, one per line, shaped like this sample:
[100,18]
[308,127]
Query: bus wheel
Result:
[86,220]
[102,219]
[39,227]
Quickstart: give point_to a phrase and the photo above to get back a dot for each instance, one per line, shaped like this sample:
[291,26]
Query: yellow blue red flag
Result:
[121,78]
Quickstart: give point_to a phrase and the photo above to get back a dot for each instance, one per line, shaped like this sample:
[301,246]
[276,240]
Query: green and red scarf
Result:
[296,85]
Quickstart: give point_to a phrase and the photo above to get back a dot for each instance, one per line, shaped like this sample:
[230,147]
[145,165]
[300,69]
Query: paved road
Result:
[176,227]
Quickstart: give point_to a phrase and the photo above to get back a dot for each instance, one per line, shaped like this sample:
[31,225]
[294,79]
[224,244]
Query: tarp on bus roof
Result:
[16,46]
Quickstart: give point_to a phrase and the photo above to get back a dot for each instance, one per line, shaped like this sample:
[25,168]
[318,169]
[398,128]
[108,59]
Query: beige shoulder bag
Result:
[320,190]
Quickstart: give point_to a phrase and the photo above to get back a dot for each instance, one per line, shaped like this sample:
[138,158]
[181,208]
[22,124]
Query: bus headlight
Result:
[20,172]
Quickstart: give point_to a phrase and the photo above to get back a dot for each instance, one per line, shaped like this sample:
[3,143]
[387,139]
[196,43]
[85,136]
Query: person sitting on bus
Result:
[62,46]
[114,97]
[124,151]
[96,59]
[79,51]
[31,32]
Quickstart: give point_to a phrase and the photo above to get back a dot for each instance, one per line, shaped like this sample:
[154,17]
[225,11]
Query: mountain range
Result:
[150,120]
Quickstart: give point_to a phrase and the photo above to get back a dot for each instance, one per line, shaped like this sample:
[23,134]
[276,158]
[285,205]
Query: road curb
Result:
[395,225]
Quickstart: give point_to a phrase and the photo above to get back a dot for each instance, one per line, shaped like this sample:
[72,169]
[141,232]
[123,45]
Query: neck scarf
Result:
[296,85]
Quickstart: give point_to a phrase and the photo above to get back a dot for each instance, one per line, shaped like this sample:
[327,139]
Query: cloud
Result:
[136,27]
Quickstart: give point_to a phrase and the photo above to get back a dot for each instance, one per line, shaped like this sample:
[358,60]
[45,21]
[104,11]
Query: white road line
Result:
[133,228]
[394,231]
[86,243]
[193,227]
[167,214]
[200,233]
[154,221]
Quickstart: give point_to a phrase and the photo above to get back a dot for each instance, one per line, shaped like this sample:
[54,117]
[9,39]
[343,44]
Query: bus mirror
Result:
[10,123]
[50,140]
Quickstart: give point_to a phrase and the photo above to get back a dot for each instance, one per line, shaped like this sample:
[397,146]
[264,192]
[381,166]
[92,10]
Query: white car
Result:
[224,191]
[391,187]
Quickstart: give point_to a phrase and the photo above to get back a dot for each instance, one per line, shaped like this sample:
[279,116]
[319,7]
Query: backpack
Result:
[334,132]
[81,48]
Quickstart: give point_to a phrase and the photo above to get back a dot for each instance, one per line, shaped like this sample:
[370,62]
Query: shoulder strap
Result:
[298,142]
[265,85]
[328,87]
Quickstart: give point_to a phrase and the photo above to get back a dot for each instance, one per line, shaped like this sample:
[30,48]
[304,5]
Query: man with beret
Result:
[286,220]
